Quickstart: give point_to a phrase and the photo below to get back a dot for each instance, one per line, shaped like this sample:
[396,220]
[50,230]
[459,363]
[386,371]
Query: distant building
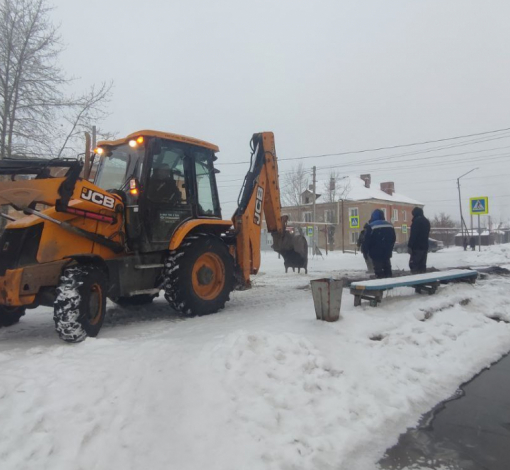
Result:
[351,197]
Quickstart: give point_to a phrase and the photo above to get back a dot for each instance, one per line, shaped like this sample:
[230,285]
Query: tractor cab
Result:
[163,180]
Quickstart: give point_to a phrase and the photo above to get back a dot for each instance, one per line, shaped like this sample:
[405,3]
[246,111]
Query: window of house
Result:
[404,214]
[307,216]
[394,217]
[329,216]
[307,200]
[384,212]
[353,212]
[354,238]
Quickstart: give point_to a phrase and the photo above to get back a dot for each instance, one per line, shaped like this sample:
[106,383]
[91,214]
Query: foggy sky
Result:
[324,76]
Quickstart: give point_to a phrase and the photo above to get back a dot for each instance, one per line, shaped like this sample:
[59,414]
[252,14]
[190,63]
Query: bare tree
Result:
[82,115]
[295,182]
[443,221]
[336,187]
[34,111]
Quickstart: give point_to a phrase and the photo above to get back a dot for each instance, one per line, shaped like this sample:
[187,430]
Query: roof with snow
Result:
[355,190]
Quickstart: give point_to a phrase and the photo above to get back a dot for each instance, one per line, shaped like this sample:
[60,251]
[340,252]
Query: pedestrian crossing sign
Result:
[479,205]
[354,221]
[404,228]
[309,231]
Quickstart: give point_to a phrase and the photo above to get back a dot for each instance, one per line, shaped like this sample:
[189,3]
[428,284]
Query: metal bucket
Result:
[327,298]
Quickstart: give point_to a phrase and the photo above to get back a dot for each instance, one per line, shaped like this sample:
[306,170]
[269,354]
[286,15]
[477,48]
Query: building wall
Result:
[347,237]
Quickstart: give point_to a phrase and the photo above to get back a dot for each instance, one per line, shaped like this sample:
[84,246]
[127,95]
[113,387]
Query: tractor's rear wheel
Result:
[199,276]
[80,305]
[10,315]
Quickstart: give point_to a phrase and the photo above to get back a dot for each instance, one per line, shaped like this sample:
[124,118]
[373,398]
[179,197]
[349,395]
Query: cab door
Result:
[166,197]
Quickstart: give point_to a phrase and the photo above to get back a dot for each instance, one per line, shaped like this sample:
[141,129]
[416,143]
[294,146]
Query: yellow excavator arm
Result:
[260,196]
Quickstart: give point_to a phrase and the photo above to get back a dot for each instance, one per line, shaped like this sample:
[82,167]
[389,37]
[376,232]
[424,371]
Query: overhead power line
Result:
[389,158]
[376,149]
[427,165]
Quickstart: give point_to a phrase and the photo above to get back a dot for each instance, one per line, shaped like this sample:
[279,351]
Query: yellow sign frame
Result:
[351,218]
[472,202]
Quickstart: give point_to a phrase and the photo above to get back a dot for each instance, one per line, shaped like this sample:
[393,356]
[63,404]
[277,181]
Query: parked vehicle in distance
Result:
[434,245]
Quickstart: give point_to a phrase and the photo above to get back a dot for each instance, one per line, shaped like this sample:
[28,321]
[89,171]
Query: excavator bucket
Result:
[293,248]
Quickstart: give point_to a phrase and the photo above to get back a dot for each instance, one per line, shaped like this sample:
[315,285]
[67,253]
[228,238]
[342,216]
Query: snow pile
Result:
[285,394]
[339,401]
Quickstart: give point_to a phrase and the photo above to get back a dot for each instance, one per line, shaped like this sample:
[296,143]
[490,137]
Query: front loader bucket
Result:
[293,248]
[22,194]
[41,181]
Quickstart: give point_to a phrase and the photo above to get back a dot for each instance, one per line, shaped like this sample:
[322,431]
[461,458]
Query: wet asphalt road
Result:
[471,432]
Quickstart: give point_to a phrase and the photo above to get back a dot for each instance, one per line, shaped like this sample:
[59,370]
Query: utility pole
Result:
[314,184]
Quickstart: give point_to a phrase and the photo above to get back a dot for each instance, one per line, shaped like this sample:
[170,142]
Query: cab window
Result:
[166,180]
[204,171]
[121,164]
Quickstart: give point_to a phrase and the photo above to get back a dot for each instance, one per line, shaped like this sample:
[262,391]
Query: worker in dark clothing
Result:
[379,240]
[419,242]
[368,261]
[472,243]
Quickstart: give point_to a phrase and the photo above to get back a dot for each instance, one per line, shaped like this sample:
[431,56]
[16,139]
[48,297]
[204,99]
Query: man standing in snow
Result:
[418,242]
[379,240]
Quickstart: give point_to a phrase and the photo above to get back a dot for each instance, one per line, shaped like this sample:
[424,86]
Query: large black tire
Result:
[199,276]
[141,299]
[10,315]
[80,305]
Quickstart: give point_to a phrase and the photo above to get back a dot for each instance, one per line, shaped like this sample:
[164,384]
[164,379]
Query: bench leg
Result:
[430,289]
[374,297]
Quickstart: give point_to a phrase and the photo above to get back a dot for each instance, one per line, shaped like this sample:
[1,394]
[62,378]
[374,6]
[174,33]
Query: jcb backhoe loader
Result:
[149,221]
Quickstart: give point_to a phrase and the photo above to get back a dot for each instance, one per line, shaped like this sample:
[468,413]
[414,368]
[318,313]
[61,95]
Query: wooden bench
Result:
[429,282]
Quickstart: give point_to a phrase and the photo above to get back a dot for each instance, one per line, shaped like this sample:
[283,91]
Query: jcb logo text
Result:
[98,198]
[258,205]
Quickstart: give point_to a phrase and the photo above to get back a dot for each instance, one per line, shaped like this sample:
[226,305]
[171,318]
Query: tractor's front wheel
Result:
[199,276]
[80,305]
[10,315]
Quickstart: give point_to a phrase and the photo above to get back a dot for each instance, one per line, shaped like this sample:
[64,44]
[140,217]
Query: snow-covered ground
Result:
[260,385]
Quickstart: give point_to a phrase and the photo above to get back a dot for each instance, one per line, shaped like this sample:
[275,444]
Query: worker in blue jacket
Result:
[379,240]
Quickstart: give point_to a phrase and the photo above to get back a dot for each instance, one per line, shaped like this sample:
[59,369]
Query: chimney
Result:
[367,179]
[388,187]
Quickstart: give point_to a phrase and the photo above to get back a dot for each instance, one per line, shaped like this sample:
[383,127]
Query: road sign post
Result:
[479,236]
[479,206]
